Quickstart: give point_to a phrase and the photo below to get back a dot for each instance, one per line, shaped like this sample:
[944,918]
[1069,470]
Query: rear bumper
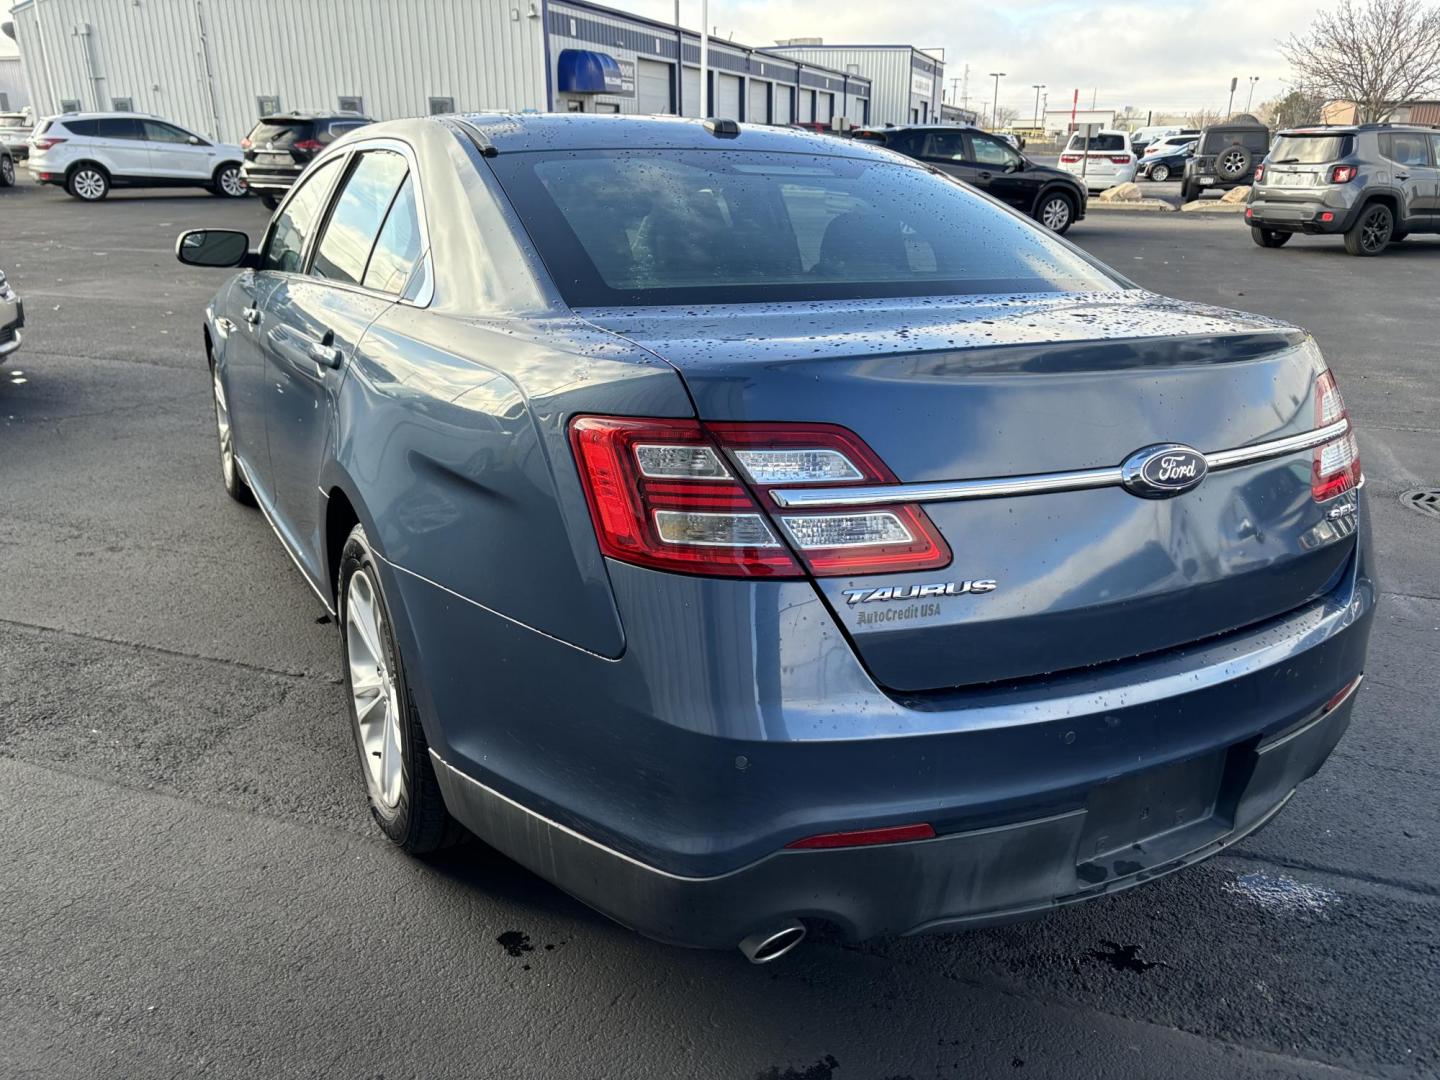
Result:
[1297,215]
[275,181]
[961,880]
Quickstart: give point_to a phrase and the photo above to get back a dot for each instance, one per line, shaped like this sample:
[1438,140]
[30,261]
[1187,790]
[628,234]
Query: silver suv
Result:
[1373,183]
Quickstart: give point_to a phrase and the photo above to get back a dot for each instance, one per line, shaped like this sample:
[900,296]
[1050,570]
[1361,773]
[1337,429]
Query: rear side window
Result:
[944,146]
[1105,144]
[118,127]
[398,246]
[282,133]
[1310,149]
[155,131]
[1406,148]
[285,249]
[710,226]
[338,128]
[355,222]
[84,129]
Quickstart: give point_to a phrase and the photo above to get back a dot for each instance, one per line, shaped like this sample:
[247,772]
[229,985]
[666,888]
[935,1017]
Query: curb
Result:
[1154,206]
[1213,206]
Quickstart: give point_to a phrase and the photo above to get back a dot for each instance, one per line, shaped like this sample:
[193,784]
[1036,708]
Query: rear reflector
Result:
[678,495]
[1336,467]
[894,834]
[1327,217]
[1344,692]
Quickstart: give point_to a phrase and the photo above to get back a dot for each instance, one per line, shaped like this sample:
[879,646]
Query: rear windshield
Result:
[1104,143]
[1309,149]
[718,226]
[282,134]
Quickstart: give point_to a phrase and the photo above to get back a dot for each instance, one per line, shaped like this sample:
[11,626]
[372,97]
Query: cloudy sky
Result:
[1170,55]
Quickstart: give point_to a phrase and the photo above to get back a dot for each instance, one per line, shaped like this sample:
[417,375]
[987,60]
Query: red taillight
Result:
[1249,213]
[1121,159]
[1069,159]
[245,143]
[894,834]
[1342,174]
[673,495]
[1336,467]
[309,145]
[1259,172]
[46,144]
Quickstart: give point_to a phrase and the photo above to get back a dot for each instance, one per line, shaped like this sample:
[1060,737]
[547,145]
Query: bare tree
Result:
[1005,116]
[1295,109]
[1378,54]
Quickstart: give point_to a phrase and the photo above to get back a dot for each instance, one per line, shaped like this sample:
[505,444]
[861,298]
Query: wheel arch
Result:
[76,166]
[222,166]
[1077,201]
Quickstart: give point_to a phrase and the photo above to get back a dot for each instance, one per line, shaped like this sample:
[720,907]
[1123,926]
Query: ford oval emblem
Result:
[1158,472]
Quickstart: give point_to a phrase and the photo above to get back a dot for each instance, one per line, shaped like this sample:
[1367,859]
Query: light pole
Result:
[1035,123]
[995,103]
[1230,105]
[1250,96]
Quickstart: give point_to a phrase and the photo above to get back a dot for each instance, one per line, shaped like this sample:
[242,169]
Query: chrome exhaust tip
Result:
[773,943]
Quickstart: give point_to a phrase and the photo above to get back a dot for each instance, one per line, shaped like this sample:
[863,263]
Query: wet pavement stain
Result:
[1124,957]
[515,943]
[824,1069]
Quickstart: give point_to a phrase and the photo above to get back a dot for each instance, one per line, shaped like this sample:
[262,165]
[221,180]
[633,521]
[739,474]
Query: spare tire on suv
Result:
[1226,156]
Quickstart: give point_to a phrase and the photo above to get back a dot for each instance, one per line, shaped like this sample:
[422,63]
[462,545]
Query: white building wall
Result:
[394,54]
[891,71]
[12,84]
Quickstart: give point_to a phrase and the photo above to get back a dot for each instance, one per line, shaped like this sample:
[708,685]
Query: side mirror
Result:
[214,247]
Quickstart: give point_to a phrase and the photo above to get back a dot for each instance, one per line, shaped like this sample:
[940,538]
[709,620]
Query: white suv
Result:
[88,153]
[1109,160]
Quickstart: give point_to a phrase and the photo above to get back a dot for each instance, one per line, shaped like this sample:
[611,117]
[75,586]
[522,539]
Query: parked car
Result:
[89,153]
[1166,144]
[1169,161]
[15,128]
[279,147]
[990,163]
[1107,162]
[729,537]
[1225,157]
[12,318]
[7,168]
[1374,184]
[1142,139]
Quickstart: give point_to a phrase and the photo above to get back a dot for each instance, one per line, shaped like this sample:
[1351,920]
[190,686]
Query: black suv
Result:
[280,146]
[1225,157]
[1053,198]
[1374,183]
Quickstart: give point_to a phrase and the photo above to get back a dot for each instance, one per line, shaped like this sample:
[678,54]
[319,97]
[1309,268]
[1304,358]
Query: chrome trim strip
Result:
[1039,483]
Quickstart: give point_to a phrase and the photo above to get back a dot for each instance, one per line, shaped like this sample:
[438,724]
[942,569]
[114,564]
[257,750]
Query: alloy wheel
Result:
[1375,232]
[1233,163]
[1055,214]
[89,184]
[1160,173]
[7,171]
[222,424]
[373,691]
[232,183]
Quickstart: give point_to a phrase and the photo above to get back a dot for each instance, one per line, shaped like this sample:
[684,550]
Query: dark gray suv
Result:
[1373,183]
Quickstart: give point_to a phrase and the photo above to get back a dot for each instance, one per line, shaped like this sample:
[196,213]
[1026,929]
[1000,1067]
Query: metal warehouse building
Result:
[907,84]
[217,65]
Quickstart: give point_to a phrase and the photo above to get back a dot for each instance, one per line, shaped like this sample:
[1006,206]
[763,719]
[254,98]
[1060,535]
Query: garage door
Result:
[781,113]
[690,100]
[758,111]
[807,106]
[727,97]
[825,108]
[652,85]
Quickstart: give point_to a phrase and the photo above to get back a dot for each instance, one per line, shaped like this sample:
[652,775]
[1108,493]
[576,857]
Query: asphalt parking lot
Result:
[190,885]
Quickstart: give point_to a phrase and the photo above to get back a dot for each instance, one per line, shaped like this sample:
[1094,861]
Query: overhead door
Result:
[780,108]
[727,97]
[807,106]
[758,111]
[690,99]
[825,108]
[652,86]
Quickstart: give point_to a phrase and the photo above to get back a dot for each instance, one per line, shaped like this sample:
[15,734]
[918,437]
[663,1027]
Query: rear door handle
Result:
[1402,176]
[985,176]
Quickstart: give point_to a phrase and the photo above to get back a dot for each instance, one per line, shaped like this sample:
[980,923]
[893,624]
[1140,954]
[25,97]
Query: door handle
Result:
[1402,176]
[324,352]
[252,316]
[985,176]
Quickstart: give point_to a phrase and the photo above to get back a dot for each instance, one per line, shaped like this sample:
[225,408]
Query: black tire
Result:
[7,171]
[1056,211]
[1159,173]
[1372,231]
[1233,163]
[1269,238]
[270,202]
[229,182]
[230,473]
[418,823]
[88,182]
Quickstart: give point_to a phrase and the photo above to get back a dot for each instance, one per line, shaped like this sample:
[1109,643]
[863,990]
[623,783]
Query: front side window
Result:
[990,152]
[285,248]
[344,247]
[711,226]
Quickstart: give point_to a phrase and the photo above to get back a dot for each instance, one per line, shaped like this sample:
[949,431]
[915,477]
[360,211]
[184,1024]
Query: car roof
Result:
[108,115]
[516,132]
[303,114]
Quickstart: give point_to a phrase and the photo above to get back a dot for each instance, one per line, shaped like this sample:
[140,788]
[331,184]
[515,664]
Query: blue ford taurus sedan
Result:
[749,530]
